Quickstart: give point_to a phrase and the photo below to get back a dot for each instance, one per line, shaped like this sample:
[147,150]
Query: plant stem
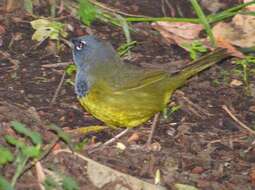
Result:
[245,75]
[203,21]
[19,170]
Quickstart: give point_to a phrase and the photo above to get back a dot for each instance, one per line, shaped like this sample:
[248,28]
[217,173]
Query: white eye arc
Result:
[81,45]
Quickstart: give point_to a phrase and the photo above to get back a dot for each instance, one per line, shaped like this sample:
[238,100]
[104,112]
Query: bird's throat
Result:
[81,84]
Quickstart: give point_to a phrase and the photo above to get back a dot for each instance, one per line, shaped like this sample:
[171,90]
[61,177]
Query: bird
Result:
[123,94]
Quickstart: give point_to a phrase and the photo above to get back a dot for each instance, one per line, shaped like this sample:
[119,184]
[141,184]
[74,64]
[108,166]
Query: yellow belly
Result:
[128,107]
[114,116]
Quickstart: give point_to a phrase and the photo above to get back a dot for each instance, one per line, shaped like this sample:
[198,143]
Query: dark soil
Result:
[200,144]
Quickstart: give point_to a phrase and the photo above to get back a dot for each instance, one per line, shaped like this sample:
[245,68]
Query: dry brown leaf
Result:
[188,31]
[239,32]
[252,108]
[213,5]
[252,176]
[197,170]
[56,147]
[133,138]
[224,43]
[178,32]
[2,30]
[155,147]
[41,176]
[236,83]
[12,5]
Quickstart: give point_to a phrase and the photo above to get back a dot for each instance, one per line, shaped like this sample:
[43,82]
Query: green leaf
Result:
[47,29]
[70,69]
[31,151]
[14,141]
[195,49]
[87,12]
[61,134]
[28,5]
[6,156]
[124,48]
[69,183]
[50,183]
[4,184]
[70,81]
[80,146]
[21,129]
[250,59]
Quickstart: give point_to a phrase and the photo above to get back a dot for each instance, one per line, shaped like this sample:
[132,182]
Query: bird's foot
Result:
[89,129]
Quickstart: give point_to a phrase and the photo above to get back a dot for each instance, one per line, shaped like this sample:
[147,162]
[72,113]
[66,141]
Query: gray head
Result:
[90,54]
[88,50]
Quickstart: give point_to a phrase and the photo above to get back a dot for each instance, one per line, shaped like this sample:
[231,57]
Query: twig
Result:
[76,154]
[54,65]
[241,124]
[153,127]
[6,55]
[58,89]
[194,108]
[116,137]
[100,147]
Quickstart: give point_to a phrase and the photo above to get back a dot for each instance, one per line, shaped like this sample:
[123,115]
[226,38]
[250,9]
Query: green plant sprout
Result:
[28,146]
[124,48]
[168,112]
[25,152]
[45,28]
[223,79]
[245,65]
[57,180]
[28,6]
[195,49]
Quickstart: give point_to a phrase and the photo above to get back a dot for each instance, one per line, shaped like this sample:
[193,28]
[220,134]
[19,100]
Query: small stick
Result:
[153,127]
[58,89]
[54,65]
[116,137]
[241,124]
[194,108]
[100,147]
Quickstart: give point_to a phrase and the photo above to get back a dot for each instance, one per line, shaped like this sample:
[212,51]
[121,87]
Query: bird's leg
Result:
[153,127]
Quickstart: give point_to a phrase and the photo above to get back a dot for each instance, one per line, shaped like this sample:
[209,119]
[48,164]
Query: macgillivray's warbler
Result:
[122,94]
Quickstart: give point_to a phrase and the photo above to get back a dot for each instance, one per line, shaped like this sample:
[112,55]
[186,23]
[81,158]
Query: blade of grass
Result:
[168,19]
[125,29]
[227,13]
[203,21]
[238,7]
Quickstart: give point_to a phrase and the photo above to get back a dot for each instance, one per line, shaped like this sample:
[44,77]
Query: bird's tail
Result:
[199,65]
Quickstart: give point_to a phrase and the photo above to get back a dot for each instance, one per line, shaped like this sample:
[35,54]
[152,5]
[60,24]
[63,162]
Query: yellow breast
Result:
[128,107]
[112,115]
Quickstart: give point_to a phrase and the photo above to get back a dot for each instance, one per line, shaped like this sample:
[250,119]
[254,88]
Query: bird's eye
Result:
[80,45]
